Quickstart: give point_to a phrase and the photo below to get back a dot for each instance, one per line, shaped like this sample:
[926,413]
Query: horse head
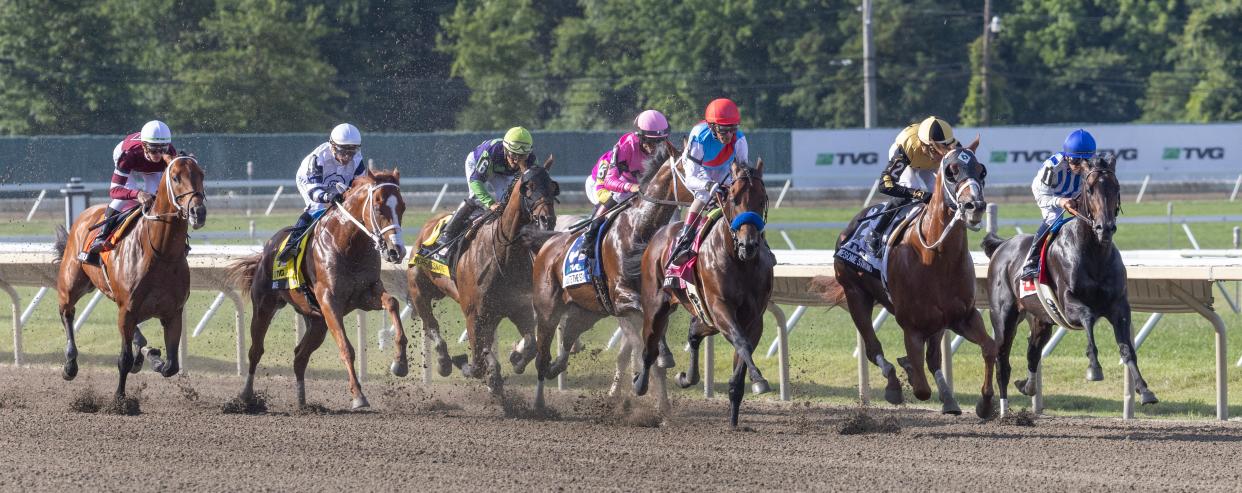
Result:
[658,181]
[747,205]
[375,200]
[538,192]
[1102,197]
[182,191]
[962,178]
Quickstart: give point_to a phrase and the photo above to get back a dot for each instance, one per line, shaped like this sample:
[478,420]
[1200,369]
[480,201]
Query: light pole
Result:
[869,110]
[991,26]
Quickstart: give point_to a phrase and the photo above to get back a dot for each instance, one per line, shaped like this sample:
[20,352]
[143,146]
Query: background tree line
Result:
[104,66]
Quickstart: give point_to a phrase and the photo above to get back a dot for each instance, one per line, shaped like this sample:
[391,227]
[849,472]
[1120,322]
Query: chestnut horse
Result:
[491,280]
[342,270]
[930,286]
[734,271]
[146,274]
[579,306]
[1089,279]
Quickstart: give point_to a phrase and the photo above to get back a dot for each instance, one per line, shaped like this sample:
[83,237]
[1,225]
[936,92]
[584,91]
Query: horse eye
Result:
[176,179]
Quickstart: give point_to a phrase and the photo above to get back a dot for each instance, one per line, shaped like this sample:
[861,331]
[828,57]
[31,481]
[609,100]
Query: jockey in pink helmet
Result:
[615,177]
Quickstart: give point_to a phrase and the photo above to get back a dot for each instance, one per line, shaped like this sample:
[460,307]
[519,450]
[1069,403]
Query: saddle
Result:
[577,268]
[1043,288]
[426,256]
[686,271]
[120,224]
[290,275]
[854,251]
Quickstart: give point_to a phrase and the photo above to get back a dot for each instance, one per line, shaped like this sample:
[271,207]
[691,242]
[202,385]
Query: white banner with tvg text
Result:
[855,157]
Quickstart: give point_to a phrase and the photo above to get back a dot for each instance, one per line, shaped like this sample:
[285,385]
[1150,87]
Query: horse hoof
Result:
[1094,374]
[1149,397]
[1021,385]
[665,360]
[984,409]
[360,403]
[760,387]
[460,361]
[640,386]
[555,369]
[905,364]
[948,405]
[399,368]
[445,367]
[685,381]
[151,352]
[893,396]
[139,359]
[70,370]
[515,358]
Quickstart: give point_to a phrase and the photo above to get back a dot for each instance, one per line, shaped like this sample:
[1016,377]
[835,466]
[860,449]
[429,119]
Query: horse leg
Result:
[316,330]
[665,359]
[1122,330]
[1004,315]
[625,353]
[471,366]
[332,316]
[524,350]
[697,334]
[736,388]
[1094,372]
[577,321]
[400,366]
[972,329]
[548,314]
[860,304]
[140,342]
[76,286]
[948,404]
[124,362]
[486,364]
[172,342]
[913,364]
[1040,334]
[744,347]
[264,309]
[431,329]
[655,324]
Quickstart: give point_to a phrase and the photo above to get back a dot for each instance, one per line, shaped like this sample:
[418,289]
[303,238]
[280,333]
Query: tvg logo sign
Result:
[846,158]
[1213,153]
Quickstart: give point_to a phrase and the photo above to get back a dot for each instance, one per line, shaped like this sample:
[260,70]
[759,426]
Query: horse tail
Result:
[828,289]
[632,263]
[240,273]
[58,248]
[990,243]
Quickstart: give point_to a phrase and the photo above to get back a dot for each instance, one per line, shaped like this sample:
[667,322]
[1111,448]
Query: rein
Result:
[953,205]
[676,174]
[181,212]
[377,237]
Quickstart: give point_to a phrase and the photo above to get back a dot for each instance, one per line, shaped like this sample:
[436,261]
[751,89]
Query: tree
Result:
[59,69]
[255,67]
[1205,83]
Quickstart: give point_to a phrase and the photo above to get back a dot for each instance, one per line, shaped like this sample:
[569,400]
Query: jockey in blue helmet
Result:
[1056,187]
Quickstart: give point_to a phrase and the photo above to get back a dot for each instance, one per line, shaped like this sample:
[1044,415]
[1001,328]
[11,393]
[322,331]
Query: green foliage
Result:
[1206,81]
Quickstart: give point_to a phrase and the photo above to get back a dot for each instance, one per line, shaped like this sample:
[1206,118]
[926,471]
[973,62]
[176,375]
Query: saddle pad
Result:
[1044,276]
[686,271]
[431,264]
[435,233]
[574,269]
[856,252]
[127,219]
[289,275]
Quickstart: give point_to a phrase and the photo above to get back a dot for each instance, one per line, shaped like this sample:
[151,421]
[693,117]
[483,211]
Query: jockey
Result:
[1056,186]
[323,177]
[913,160]
[139,155]
[714,145]
[490,171]
[615,176]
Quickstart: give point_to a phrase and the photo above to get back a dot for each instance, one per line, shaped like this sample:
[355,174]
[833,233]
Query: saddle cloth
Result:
[1043,289]
[576,268]
[685,272]
[858,254]
[423,257]
[289,274]
[126,221]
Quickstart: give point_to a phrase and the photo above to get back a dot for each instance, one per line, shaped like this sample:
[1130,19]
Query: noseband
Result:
[745,217]
[375,233]
[183,212]
[950,200]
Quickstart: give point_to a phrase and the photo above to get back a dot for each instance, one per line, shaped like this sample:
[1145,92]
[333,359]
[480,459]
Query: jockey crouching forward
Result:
[714,145]
[490,171]
[616,174]
[138,162]
[1056,187]
[323,177]
[913,160]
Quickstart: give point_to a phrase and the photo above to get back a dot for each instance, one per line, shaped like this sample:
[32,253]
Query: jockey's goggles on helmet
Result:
[652,138]
[725,129]
[345,150]
[155,148]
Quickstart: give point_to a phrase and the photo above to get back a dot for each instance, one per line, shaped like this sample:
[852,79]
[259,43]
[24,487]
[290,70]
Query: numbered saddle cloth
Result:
[290,275]
[426,258]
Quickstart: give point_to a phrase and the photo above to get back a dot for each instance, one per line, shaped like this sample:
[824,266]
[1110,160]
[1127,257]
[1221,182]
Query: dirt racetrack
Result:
[449,437]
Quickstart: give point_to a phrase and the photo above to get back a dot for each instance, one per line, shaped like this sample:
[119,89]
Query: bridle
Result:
[374,232]
[528,204]
[182,212]
[950,199]
[745,217]
[671,163]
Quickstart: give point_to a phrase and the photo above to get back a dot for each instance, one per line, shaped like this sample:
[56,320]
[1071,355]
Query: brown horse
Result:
[342,269]
[580,307]
[147,274]
[930,287]
[734,282]
[491,281]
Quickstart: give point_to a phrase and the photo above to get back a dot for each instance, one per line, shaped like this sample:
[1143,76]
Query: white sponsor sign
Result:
[855,157]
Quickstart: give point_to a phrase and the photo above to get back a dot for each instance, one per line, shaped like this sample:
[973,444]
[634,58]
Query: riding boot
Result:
[92,255]
[882,223]
[592,231]
[1031,267]
[454,228]
[681,252]
[295,236]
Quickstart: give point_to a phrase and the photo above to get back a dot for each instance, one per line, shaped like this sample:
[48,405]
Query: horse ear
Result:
[759,166]
[547,163]
[1111,161]
[974,145]
[396,174]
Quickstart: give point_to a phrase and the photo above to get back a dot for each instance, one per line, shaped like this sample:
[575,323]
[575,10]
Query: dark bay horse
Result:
[147,274]
[1087,273]
[342,269]
[930,286]
[734,274]
[579,306]
[492,277]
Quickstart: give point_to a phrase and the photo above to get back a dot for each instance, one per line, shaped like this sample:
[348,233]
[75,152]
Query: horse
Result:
[146,274]
[930,286]
[490,281]
[579,306]
[342,273]
[1089,282]
[734,271]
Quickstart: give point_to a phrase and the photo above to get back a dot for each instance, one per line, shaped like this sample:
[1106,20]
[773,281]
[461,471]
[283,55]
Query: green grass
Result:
[1177,359]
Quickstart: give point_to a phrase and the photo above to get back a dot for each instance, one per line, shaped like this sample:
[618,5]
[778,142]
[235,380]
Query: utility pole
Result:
[983,72]
[869,109]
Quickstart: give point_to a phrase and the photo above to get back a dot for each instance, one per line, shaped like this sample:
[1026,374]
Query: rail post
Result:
[781,198]
[1142,189]
[870,195]
[275,197]
[77,199]
[709,366]
[16,302]
[439,197]
[35,207]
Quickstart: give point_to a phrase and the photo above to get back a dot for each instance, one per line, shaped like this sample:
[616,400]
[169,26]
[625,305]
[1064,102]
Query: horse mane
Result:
[655,160]
[991,242]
